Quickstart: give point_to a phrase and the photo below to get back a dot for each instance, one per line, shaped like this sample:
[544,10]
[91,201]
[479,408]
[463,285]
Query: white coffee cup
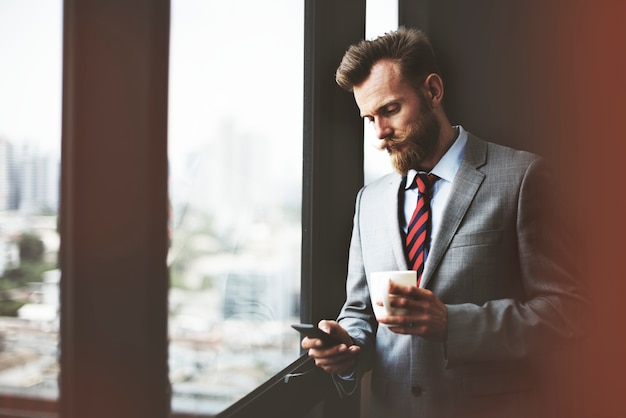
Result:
[379,289]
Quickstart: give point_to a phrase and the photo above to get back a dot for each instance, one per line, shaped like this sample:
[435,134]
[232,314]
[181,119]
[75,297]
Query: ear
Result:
[434,89]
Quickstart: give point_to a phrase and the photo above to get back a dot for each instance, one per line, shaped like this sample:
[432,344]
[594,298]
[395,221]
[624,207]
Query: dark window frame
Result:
[113,218]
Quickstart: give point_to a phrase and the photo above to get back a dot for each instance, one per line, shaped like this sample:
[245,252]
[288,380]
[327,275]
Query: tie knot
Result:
[425,181]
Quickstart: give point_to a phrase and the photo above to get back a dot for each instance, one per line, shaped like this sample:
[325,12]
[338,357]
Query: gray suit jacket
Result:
[501,267]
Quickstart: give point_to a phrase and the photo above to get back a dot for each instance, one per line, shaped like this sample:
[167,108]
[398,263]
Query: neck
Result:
[447,136]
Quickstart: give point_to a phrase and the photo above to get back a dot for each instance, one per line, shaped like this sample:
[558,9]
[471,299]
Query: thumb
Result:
[326,325]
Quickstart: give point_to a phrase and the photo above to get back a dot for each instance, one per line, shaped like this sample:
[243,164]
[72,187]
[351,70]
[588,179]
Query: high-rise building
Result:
[9,191]
[38,182]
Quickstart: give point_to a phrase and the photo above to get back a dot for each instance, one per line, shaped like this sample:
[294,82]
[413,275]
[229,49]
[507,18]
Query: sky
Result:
[30,72]
[234,71]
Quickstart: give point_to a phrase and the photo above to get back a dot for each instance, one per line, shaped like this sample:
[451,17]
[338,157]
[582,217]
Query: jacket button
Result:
[416,391]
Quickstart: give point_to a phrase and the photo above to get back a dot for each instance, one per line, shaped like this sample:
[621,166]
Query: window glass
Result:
[235,155]
[381,16]
[30,144]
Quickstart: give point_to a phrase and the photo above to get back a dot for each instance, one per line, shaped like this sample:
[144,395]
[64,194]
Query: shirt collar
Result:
[449,164]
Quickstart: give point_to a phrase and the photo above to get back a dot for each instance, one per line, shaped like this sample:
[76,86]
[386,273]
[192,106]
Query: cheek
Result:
[401,125]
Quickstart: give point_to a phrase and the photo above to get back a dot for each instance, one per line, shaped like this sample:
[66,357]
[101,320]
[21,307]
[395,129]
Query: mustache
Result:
[391,144]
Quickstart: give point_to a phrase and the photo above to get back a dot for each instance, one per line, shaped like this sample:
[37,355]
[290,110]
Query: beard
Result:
[419,143]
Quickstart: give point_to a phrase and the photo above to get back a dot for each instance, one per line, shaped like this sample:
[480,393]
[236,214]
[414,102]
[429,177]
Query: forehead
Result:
[384,84]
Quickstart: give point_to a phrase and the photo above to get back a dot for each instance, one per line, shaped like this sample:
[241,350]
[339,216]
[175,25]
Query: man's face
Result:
[403,119]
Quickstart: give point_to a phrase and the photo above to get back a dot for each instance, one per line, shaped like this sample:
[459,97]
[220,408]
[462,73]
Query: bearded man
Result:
[496,288]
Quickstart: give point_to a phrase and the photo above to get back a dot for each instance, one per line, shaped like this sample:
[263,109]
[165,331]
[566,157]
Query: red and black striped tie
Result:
[418,232]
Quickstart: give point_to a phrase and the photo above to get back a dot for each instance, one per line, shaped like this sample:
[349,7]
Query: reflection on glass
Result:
[30,143]
[235,153]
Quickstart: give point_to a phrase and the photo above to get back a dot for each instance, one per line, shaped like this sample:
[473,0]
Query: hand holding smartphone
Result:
[312,331]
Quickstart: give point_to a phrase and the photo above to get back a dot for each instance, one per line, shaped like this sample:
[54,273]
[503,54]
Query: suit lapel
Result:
[392,211]
[464,187]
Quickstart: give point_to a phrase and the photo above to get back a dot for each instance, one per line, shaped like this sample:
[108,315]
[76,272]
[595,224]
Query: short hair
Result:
[407,46]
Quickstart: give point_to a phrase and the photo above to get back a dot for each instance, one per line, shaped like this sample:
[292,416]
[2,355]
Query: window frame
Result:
[113,212]
[113,215]
[332,172]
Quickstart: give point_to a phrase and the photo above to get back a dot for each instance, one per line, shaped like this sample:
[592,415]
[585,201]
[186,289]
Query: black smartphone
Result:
[312,331]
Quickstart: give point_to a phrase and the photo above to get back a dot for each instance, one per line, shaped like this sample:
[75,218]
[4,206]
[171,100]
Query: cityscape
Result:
[235,156]
[231,299]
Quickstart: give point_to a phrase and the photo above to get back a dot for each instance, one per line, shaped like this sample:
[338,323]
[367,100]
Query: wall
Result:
[549,77]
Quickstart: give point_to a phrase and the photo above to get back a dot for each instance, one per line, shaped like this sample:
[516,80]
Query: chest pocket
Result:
[476,238]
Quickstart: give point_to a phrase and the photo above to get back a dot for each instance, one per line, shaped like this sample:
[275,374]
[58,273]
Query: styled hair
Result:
[409,47]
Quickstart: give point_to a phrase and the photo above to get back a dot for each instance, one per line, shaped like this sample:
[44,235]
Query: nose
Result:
[382,128]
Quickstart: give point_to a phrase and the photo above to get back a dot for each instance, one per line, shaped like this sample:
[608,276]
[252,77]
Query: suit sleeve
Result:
[552,307]
[356,316]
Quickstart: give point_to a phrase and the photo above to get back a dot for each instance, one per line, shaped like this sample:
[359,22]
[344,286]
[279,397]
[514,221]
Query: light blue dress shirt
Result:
[445,169]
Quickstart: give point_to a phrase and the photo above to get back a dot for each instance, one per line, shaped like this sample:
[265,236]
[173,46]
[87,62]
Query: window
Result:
[115,253]
[235,155]
[381,17]
[30,144]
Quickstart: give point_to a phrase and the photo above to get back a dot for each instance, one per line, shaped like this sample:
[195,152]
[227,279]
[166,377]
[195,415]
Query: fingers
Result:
[426,314]
[327,324]
[410,291]
[413,298]
[308,343]
[335,359]
[336,330]
[428,327]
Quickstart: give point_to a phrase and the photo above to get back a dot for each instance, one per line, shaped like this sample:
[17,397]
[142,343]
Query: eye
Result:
[369,119]
[391,109]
